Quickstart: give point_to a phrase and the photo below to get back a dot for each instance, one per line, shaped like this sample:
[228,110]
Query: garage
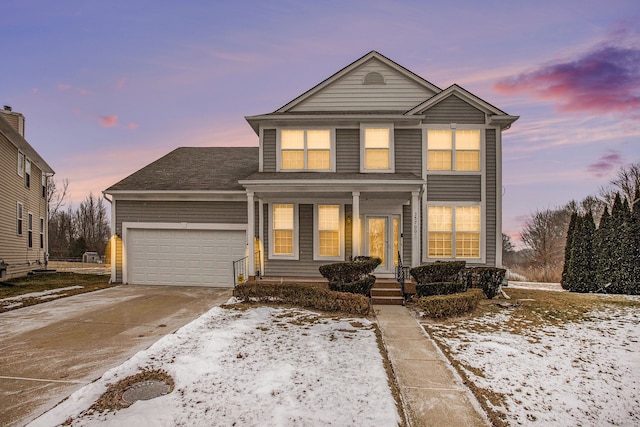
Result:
[183,257]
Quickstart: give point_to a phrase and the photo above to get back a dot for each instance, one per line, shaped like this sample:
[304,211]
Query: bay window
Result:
[453,149]
[453,232]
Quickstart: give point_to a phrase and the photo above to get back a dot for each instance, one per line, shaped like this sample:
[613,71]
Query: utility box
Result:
[92,257]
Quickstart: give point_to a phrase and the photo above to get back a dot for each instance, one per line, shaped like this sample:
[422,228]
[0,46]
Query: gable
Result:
[372,83]
[453,110]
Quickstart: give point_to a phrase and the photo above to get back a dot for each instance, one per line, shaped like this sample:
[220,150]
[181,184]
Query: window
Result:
[305,149]
[27,173]
[41,233]
[20,163]
[453,149]
[29,230]
[453,231]
[44,186]
[283,230]
[377,148]
[19,218]
[328,241]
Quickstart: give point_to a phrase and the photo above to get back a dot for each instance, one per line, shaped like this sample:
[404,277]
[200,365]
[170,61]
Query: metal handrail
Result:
[401,272]
[241,268]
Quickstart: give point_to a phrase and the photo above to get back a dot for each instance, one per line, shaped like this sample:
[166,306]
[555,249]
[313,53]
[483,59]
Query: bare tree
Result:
[626,181]
[92,224]
[56,196]
[62,233]
[545,234]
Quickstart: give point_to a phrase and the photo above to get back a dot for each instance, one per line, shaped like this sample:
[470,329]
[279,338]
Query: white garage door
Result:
[183,257]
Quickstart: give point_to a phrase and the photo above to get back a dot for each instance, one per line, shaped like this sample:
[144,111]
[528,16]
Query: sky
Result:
[108,87]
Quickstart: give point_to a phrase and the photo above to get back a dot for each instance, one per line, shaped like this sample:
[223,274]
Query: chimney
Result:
[16,120]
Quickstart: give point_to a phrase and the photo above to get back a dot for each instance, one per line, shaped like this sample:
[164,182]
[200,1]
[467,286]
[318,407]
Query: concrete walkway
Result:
[49,350]
[432,394]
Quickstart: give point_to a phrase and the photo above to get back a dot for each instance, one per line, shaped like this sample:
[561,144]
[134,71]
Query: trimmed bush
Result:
[314,297]
[350,271]
[362,286]
[437,272]
[489,279]
[439,288]
[450,305]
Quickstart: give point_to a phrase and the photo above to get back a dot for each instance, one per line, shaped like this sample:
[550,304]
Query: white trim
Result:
[41,236]
[251,224]
[483,232]
[392,157]
[316,233]
[332,148]
[296,232]
[127,226]
[261,149]
[498,197]
[21,158]
[20,219]
[29,229]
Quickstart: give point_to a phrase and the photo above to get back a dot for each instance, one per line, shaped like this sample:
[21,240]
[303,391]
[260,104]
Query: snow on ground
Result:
[14,302]
[584,374]
[535,285]
[261,366]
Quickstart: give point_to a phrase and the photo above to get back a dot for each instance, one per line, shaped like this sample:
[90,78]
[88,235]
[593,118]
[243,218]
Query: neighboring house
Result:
[23,200]
[374,160]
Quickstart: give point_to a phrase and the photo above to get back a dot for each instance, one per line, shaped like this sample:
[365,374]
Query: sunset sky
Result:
[109,86]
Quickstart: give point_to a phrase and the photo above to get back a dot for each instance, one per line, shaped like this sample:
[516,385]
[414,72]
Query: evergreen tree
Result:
[634,232]
[581,274]
[602,246]
[567,251]
[619,237]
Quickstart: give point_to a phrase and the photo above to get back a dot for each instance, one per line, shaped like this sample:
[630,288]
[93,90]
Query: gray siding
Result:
[348,150]
[269,150]
[492,208]
[406,235]
[180,211]
[453,110]
[348,93]
[454,188]
[408,151]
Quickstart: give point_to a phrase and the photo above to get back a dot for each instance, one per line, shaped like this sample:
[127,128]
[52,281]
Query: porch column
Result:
[415,229]
[355,227]
[251,225]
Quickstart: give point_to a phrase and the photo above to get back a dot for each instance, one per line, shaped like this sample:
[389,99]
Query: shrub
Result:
[314,297]
[437,272]
[362,286]
[450,305]
[489,279]
[351,271]
[439,288]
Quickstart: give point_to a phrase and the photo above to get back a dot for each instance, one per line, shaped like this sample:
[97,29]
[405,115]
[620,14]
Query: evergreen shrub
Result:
[450,305]
[362,286]
[489,279]
[440,288]
[306,296]
[437,272]
[351,276]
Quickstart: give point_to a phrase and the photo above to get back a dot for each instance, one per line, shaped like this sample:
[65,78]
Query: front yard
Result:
[549,358]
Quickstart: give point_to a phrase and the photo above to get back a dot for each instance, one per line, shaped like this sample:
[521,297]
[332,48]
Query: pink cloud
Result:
[603,80]
[606,164]
[133,126]
[108,121]
[64,86]
[120,83]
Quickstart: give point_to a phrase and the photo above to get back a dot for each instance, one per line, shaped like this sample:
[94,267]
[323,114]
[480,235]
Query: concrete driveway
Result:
[48,351]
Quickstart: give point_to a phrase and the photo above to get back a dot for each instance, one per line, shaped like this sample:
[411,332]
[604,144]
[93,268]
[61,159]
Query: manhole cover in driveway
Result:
[145,390]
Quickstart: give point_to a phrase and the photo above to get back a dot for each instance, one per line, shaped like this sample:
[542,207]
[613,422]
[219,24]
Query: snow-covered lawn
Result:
[18,301]
[583,373]
[259,366]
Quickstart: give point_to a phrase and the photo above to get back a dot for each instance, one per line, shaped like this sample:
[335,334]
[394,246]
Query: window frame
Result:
[363,148]
[44,185]
[332,149]
[296,246]
[453,127]
[27,172]
[316,233]
[481,232]
[29,230]
[21,158]
[42,225]
[19,219]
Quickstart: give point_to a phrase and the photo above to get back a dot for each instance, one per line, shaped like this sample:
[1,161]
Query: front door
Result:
[382,240]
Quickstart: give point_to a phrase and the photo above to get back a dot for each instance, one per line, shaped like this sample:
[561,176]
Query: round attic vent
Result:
[373,78]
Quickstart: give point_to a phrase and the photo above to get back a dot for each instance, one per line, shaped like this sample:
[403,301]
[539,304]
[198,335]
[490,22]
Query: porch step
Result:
[386,294]
[387,300]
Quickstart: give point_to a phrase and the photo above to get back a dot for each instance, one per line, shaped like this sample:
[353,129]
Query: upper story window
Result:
[453,149]
[453,232]
[376,148]
[44,185]
[19,219]
[20,163]
[282,233]
[306,150]
[27,173]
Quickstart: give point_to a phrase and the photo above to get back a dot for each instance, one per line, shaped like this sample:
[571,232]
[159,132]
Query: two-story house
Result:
[23,200]
[375,160]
